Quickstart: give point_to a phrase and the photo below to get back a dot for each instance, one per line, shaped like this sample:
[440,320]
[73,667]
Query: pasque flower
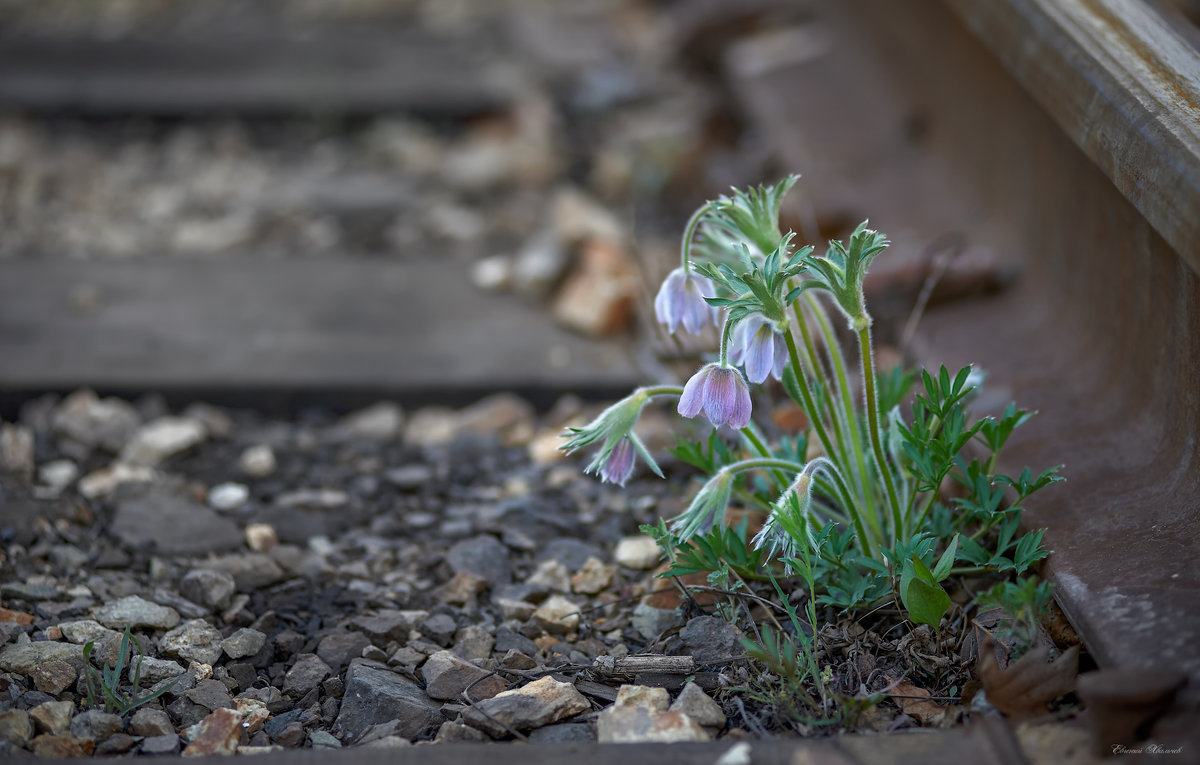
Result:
[707,507]
[613,430]
[619,465]
[761,348]
[721,392]
[681,300]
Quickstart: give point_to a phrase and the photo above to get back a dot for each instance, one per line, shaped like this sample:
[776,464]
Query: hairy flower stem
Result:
[756,441]
[762,462]
[847,498]
[873,424]
[838,361]
[661,390]
[685,248]
[845,416]
[809,406]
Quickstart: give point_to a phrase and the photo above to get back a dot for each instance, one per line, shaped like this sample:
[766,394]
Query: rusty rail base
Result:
[986,742]
[1101,332]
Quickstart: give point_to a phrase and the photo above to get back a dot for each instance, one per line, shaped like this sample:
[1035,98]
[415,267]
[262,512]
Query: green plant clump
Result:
[891,489]
[104,686]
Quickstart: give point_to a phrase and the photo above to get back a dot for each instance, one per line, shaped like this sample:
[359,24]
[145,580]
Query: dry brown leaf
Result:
[915,702]
[1025,688]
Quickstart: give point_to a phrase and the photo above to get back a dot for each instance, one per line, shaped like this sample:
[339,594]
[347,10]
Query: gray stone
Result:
[242,673]
[338,648]
[195,639]
[440,628]
[135,612]
[276,724]
[696,704]
[242,643]
[710,639]
[15,727]
[564,733]
[447,676]
[473,642]
[292,735]
[570,552]
[117,743]
[650,622]
[383,421]
[153,670]
[216,421]
[96,725]
[52,717]
[387,625]
[375,694]
[482,556]
[408,477]
[23,657]
[29,591]
[16,452]
[323,739]
[53,676]
[539,703]
[514,659]
[186,608]
[170,524]
[249,570]
[158,439]
[210,694]
[150,722]
[166,744]
[68,557]
[84,630]
[453,732]
[212,589]
[95,423]
[508,640]
[306,674]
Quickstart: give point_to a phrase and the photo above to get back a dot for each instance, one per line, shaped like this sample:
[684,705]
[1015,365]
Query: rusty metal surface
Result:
[1122,84]
[1101,332]
[988,742]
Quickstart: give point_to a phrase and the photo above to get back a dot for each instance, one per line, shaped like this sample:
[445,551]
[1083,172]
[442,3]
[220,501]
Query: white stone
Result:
[557,614]
[159,439]
[58,474]
[383,421]
[102,482]
[492,274]
[228,496]
[640,552]
[261,537]
[257,461]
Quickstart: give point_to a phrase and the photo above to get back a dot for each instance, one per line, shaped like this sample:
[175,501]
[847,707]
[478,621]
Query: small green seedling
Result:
[104,685]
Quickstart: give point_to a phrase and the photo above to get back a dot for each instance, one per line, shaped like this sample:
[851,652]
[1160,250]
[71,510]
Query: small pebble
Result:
[228,496]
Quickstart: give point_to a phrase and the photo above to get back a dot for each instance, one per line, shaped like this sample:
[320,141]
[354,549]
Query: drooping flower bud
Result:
[721,392]
[681,300]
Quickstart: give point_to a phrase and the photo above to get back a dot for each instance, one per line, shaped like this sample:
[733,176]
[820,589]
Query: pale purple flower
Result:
[757,345]
[721,392]
[619,465]
[681,299]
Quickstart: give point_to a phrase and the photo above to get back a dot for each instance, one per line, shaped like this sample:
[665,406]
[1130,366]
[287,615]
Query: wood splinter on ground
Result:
[633,665]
